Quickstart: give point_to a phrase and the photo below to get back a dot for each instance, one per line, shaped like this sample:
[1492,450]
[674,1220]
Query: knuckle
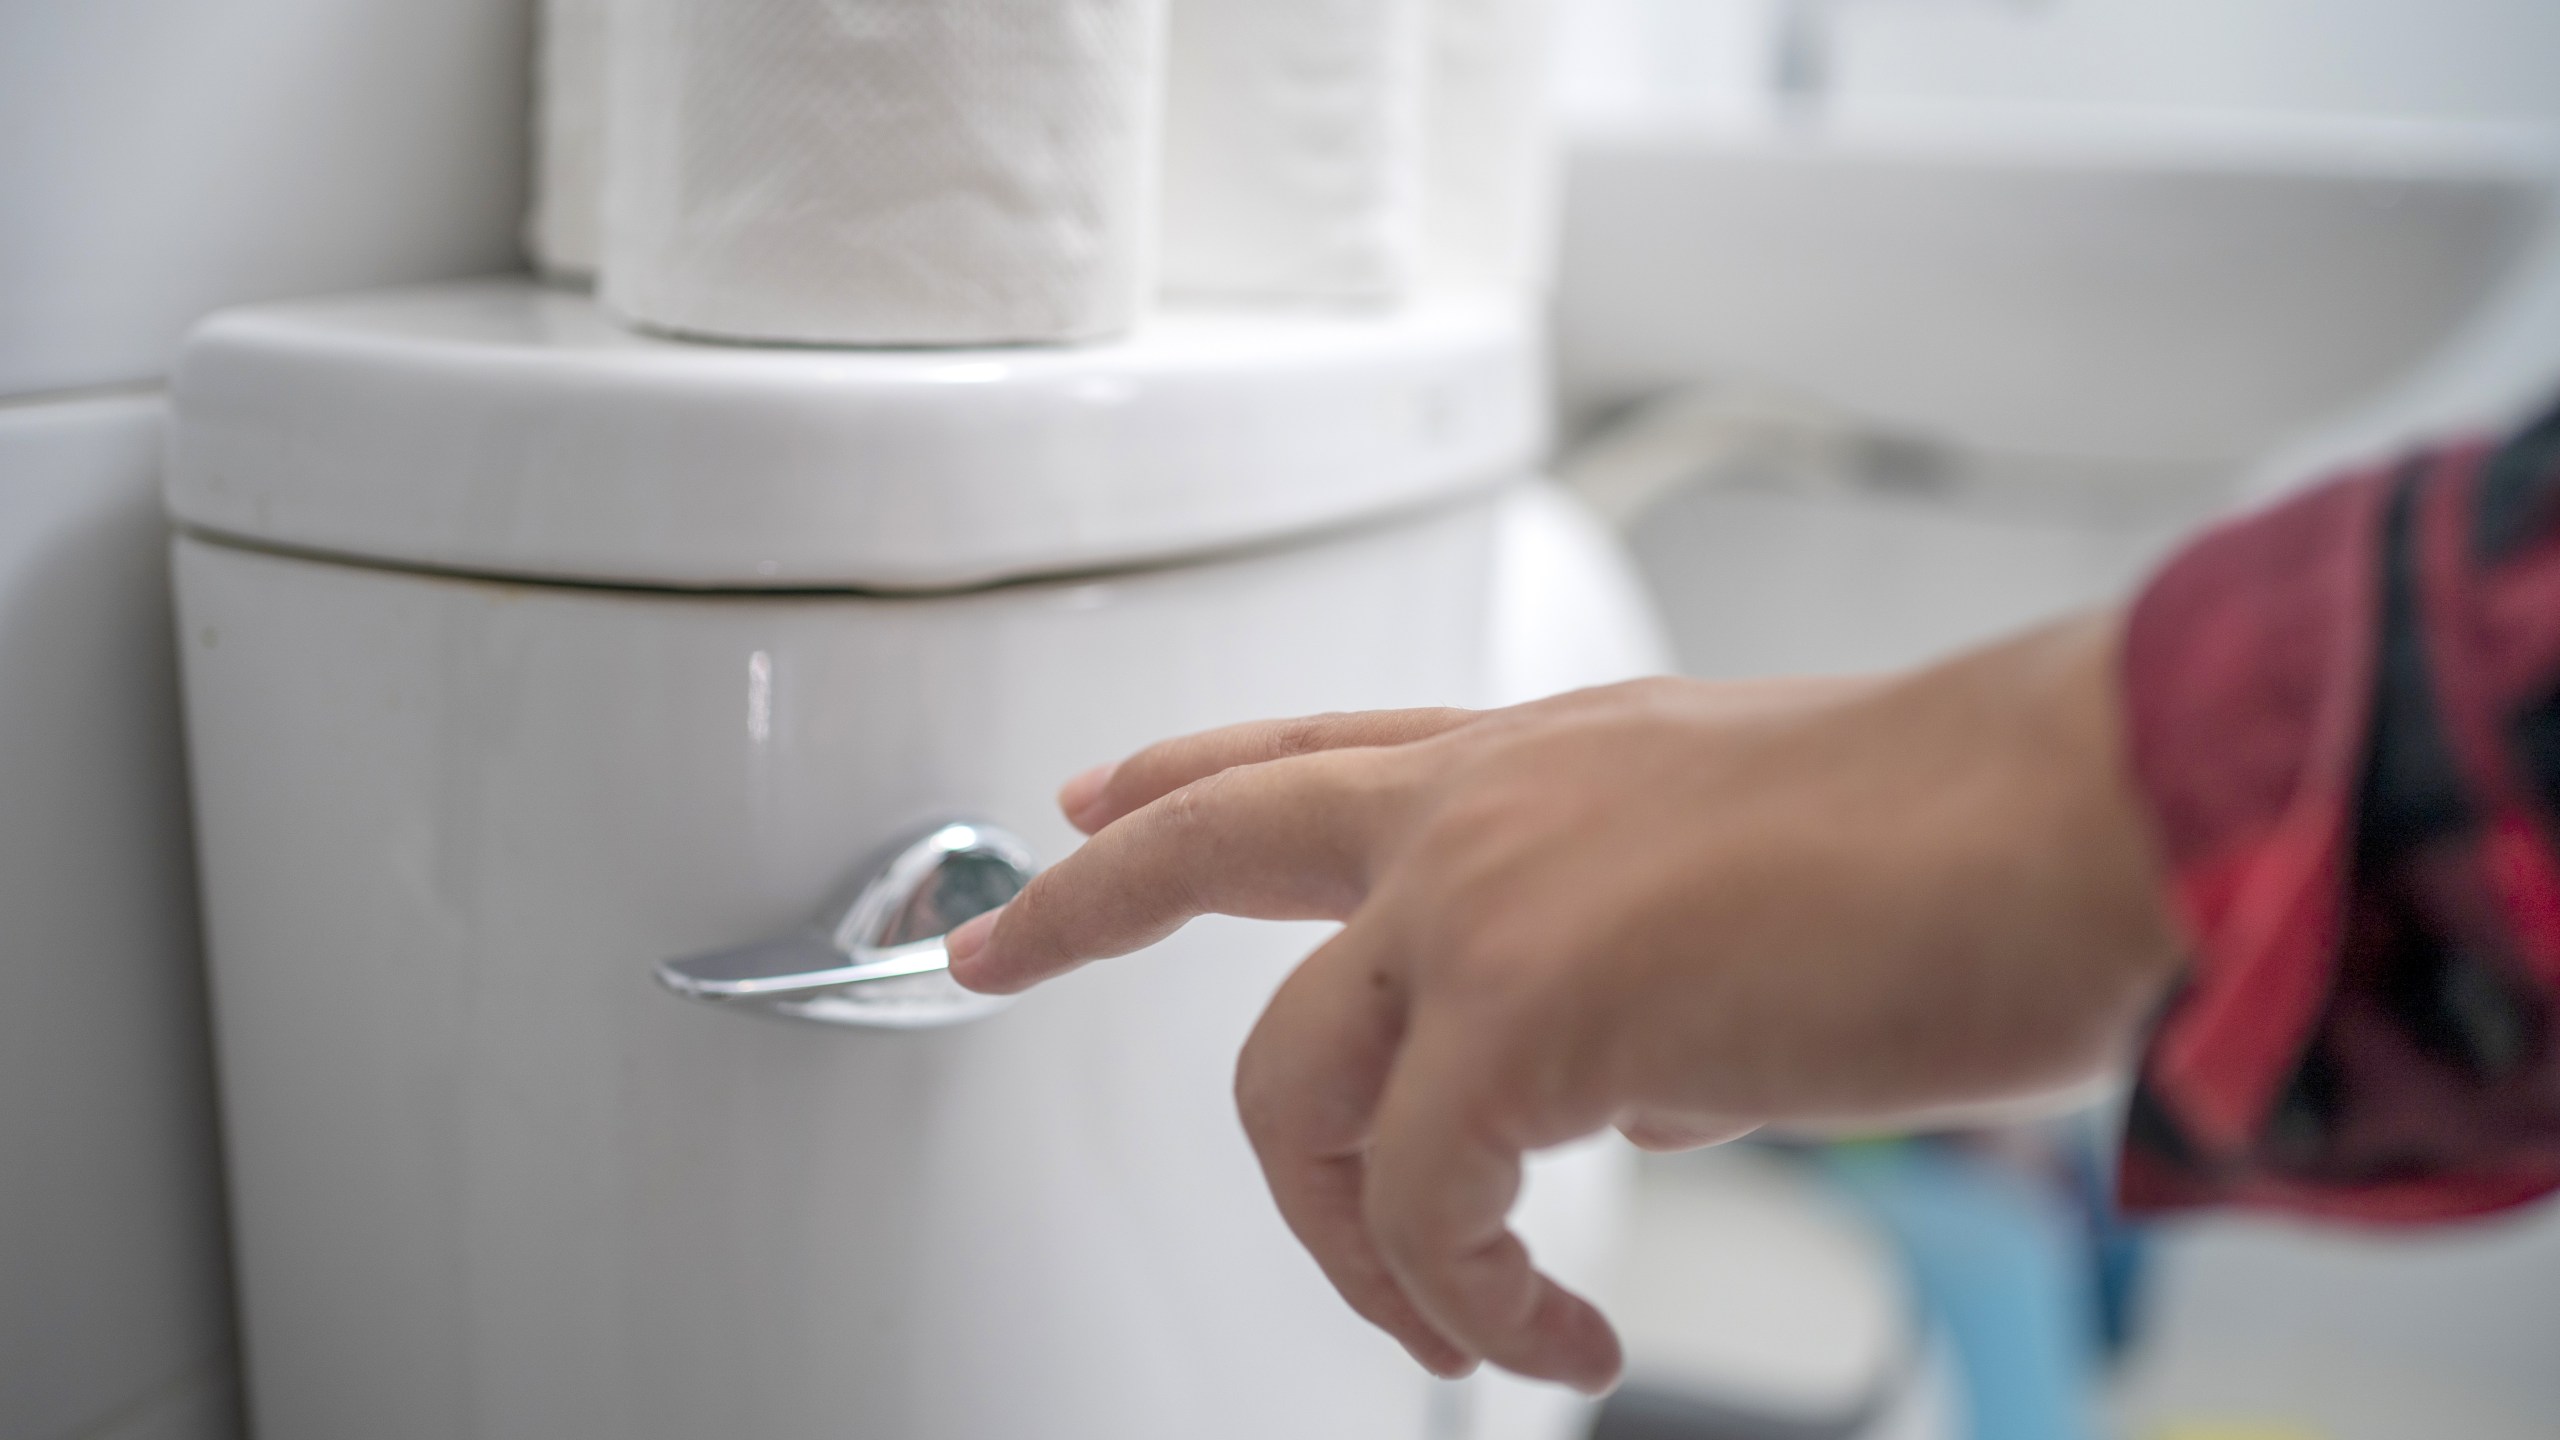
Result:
[1345,780]
[1644,690]
[1412,1233]
[1027,922]
[1469,912]
[1024,914]
[1358,777]
[1653,688]
[1188,812]
[1259,1104]
[1399,1232]
[1306,734]
[1144,767]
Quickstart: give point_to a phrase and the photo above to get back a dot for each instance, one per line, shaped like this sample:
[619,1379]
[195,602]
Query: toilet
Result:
[591,736]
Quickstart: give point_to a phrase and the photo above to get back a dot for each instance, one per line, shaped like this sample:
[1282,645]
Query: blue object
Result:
[2119,1250]
[2002,1266]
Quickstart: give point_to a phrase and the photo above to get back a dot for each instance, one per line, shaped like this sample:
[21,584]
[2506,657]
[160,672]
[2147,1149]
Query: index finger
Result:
[1287,840]
[1100,796]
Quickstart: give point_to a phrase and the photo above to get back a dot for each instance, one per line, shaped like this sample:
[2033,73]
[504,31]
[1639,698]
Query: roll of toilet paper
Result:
[568,152]
[882,172]
[1293,148]
[1490,159]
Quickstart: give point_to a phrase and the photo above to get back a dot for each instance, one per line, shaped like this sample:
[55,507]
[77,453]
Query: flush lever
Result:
[878,960]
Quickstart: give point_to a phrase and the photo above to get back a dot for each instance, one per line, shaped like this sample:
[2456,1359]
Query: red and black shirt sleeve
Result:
[2344,712]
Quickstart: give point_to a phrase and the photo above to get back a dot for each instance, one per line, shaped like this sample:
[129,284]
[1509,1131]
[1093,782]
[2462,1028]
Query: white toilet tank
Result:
[523,654]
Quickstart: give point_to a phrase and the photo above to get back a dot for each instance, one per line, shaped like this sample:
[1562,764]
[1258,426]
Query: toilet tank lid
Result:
[508,428]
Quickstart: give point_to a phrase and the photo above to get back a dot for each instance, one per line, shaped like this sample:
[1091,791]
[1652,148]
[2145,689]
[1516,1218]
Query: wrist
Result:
[2099,814]
[2053,902]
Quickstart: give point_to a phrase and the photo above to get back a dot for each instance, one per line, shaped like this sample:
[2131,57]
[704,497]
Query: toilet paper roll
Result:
[568,153]
[1491,162]
[1293,148]
[882,172]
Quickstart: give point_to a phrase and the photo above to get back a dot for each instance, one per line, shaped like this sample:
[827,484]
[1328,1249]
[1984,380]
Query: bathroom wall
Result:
[2418,60]
[159,159]
[2439,58]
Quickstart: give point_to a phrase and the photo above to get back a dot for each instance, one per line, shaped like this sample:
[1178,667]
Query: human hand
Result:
[1682,908]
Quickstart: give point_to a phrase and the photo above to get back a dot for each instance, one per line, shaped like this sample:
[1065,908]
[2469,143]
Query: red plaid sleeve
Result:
[2345,714]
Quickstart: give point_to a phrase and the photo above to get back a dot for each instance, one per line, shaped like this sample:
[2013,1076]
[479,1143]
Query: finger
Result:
[1444,1169]
[1281,841]
[1307,1086]
[1102,795]
[1666,1132]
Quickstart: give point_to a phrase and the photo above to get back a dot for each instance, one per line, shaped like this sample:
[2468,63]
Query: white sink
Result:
[2089,283]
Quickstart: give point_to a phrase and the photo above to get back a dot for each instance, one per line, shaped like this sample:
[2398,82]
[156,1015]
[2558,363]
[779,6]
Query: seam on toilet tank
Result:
[76,394]
[1376,520]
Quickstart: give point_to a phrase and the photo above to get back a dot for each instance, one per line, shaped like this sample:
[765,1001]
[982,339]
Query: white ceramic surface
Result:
[491,1181]
[113,1292]
[2129,285]
[1816,551]
[504,428]
[160,158]
[1568,610]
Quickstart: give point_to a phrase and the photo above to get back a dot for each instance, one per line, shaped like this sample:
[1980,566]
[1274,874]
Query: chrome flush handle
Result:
[879,960]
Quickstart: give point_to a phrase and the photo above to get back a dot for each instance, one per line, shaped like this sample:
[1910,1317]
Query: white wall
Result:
[2437,60]
[2420,59]
[158,159]
[2442,58]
